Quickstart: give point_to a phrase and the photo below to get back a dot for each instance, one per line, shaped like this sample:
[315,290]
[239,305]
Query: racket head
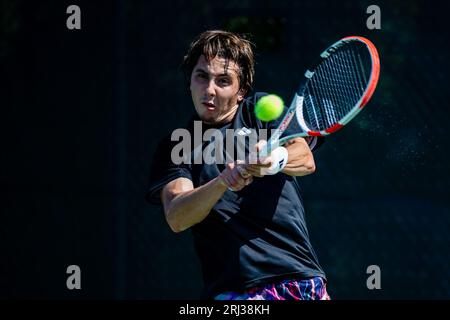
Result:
[333,90]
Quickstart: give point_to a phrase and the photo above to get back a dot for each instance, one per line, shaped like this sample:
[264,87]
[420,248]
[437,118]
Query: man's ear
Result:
[241,95]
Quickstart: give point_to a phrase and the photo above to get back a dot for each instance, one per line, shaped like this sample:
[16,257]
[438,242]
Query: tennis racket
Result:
[332,92]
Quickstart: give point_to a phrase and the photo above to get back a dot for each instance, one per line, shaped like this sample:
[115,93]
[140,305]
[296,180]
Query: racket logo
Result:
[309,74]
[328,52]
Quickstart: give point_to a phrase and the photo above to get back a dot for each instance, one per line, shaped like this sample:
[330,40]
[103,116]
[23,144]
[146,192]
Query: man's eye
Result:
[224,81]
[202,76]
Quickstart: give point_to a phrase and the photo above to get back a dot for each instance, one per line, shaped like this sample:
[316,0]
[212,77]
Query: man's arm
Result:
[300,158]
[185,206]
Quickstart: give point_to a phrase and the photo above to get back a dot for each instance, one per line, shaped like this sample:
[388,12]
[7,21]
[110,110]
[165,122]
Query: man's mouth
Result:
[209,106]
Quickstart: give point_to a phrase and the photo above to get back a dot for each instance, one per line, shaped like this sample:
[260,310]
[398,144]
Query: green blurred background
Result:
[83,110]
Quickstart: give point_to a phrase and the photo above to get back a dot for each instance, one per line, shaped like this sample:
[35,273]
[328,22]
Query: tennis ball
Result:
[269,107]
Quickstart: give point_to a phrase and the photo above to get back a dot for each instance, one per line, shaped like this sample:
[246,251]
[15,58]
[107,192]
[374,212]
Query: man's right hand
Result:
[235,176]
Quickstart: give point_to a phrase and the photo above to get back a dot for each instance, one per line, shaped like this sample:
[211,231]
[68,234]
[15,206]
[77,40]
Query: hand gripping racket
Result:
[332,92]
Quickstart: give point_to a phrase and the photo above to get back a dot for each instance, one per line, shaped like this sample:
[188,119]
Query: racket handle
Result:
[268,147]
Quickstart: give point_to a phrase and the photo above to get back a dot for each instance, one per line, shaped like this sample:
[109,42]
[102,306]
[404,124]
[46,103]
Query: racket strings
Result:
[336,86]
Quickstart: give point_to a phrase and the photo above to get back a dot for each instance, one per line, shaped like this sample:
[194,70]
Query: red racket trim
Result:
[375,69]
[334,128]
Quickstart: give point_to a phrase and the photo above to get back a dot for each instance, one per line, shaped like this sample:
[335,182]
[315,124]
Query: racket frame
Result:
[297,101]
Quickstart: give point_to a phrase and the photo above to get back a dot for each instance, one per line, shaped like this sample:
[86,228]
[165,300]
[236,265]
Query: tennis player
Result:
[247,220]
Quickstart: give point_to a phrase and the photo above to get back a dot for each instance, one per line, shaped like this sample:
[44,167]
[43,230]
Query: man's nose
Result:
[210,88]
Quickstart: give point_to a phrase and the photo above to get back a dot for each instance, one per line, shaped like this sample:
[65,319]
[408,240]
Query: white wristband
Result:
[279,157]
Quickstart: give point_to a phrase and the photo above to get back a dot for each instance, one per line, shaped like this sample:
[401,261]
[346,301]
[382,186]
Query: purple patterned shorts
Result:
[307,289]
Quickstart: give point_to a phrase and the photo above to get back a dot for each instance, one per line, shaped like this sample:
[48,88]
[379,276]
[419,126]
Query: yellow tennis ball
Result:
[269,107]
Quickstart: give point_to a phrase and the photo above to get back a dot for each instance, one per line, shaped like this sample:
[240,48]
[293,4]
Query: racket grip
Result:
[267,148]
[264,152]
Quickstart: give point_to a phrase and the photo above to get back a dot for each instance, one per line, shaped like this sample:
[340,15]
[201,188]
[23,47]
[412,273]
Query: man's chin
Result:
[209,119]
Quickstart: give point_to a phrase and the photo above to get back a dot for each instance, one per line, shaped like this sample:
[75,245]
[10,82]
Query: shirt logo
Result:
[244,131]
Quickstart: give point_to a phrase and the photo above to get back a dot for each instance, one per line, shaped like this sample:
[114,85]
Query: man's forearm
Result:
[191,207]
[300,159]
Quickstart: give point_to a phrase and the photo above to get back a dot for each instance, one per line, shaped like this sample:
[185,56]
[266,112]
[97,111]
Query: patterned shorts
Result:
[308,289]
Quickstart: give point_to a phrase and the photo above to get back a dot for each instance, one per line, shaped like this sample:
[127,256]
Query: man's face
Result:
[215,90]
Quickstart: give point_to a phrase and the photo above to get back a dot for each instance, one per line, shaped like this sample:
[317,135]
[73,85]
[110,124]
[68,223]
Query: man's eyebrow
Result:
[199,69]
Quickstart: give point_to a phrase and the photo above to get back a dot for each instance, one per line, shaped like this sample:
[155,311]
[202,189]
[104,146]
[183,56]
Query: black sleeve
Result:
[163,170]
[315,143]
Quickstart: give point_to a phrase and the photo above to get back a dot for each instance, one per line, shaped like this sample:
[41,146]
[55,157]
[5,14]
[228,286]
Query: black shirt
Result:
[252,237]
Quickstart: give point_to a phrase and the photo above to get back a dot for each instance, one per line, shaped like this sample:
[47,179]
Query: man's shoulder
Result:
[251,99]
[171,136]
[246,116]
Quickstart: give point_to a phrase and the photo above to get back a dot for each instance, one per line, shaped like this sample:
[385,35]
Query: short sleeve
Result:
[315,143]
[163,170]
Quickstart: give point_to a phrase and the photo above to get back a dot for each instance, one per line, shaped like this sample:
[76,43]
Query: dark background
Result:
[82,111]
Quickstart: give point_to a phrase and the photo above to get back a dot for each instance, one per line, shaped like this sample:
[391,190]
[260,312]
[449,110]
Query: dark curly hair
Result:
[226,45]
